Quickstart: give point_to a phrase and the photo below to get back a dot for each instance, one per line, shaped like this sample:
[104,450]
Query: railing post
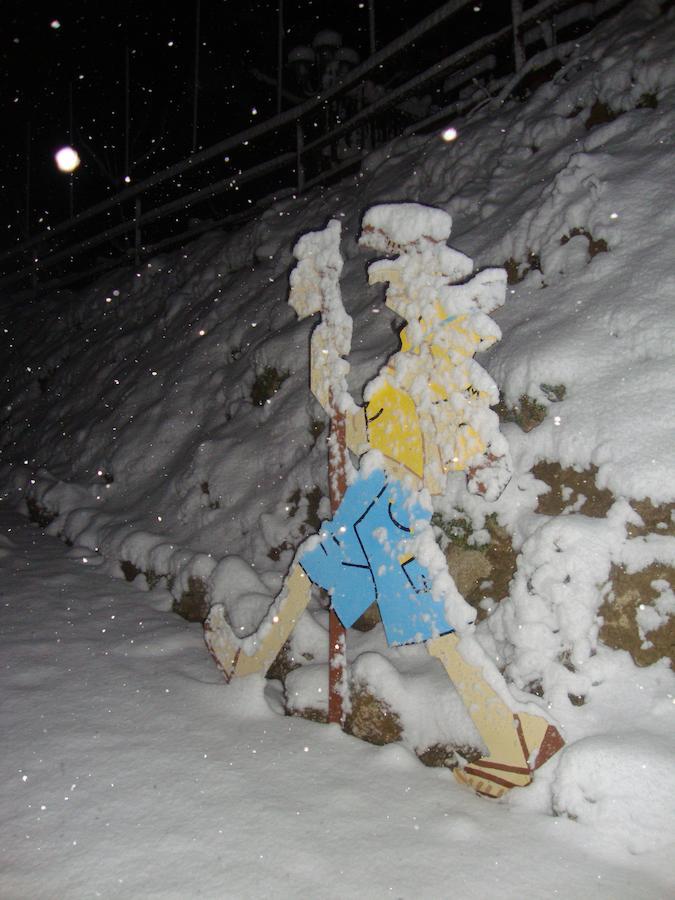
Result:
[300,146]
[34,275]
[137,231]
[518,45]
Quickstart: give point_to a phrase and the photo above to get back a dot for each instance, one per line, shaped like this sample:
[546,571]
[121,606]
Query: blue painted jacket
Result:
[363,558]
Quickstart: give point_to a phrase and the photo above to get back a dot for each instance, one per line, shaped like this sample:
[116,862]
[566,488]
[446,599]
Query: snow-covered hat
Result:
[388,227]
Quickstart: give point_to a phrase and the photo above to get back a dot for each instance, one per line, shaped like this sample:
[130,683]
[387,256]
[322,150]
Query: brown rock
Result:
[656,519]
[192,603]
[368,619]
[448,755]
[371,719]
[567,485]
[483,572]
[619,627]
[309,712]
[284,663]
[129,570]
[468,567]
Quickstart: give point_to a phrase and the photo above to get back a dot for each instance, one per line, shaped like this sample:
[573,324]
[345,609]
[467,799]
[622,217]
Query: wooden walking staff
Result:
[337,634]
[315,288]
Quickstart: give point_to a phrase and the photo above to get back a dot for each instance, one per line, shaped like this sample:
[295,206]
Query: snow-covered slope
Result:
[164,417]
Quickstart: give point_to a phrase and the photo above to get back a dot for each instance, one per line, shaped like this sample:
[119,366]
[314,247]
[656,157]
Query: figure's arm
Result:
[357,432]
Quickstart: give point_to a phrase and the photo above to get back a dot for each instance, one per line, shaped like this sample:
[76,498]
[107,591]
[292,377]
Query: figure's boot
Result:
[518,743]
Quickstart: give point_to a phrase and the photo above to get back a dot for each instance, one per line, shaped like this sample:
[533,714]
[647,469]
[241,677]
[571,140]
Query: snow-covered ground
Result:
[129,770]
[162,419]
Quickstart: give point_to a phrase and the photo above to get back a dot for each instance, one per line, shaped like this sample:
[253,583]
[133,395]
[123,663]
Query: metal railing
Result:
[345,133]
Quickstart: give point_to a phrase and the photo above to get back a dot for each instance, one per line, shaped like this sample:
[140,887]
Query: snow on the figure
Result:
[388,227]
[315,287]
[446,324]
[162,419]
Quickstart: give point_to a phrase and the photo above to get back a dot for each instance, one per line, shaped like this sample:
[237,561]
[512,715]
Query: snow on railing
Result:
[292,153]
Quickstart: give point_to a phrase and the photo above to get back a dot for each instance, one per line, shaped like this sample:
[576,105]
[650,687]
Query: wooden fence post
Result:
[337,635]
[299,147]
[137,231]
[518,44]
[540,14]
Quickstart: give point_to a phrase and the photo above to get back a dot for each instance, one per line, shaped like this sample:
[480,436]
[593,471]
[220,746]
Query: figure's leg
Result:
[272,634]
[518,743]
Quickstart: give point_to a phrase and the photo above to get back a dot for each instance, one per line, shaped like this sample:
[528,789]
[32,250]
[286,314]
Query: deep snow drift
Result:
[163,417]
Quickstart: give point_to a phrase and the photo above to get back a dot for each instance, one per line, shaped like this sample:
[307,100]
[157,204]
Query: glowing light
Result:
[55,24]
[67,159]
[449,134]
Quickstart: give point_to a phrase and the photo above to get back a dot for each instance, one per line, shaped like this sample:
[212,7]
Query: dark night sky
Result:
[86,54]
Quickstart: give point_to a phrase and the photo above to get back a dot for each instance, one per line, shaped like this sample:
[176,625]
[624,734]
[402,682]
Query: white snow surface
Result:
[129,770]
[129,767]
